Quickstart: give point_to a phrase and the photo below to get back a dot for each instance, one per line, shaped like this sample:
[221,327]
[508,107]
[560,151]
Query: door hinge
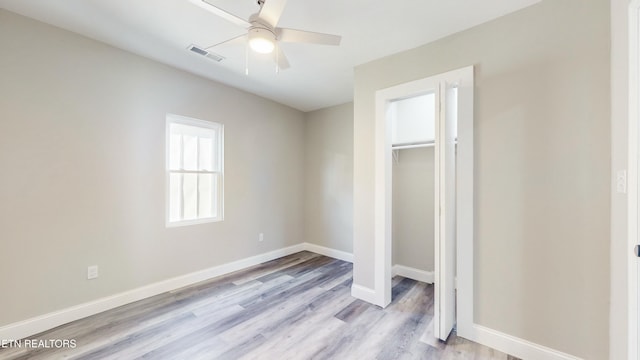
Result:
[636,250]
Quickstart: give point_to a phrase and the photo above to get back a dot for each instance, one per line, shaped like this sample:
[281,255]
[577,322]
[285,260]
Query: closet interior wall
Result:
[413,208]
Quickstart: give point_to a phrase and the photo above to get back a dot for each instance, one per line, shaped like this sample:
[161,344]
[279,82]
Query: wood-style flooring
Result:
[296,307]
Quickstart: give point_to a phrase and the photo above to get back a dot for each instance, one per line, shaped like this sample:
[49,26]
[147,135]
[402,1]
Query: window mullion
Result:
[198,196]
[197,153]
[198,177]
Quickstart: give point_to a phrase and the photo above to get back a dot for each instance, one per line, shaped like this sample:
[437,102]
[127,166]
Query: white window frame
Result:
[219,152]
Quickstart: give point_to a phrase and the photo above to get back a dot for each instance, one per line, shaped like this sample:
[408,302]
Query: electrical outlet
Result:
[92,272]
[621,181]
[261,237]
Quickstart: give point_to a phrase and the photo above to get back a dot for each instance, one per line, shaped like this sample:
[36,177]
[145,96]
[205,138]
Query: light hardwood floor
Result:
[296,307]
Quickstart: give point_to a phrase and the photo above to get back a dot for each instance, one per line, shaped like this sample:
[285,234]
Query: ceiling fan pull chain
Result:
[246,59]
[277,58]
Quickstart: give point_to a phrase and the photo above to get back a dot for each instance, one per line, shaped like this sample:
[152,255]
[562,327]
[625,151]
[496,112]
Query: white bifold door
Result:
[445,210]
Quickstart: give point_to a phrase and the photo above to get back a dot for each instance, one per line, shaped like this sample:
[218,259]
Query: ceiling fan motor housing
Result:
[262,40]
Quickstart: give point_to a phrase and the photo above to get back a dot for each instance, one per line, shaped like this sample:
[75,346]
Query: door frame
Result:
[633,191]
[464,198]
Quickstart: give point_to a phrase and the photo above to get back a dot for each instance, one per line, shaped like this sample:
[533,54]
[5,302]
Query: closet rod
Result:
[419,145]
[412,146]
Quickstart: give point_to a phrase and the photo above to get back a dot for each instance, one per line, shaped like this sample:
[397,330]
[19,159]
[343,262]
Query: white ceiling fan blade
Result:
[301,36]
[222,13]
[271,11]
[240,39]
[281,60]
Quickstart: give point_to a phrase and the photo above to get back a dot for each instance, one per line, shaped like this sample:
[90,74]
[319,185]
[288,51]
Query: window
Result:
[194,171]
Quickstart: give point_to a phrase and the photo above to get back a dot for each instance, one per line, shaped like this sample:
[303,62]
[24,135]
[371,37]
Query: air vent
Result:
[214,57]
[200,51]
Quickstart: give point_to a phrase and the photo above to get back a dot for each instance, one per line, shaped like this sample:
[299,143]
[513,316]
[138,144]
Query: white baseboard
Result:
[364,293]
[413,273]
[514,346]
[29,327]
[336,254]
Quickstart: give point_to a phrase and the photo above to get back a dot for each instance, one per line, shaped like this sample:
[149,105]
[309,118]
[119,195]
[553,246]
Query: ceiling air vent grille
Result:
[200,51]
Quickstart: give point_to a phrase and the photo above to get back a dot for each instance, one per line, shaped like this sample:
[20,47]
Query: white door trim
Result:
[383,182]
[382,179]
[632,178]
[465,205]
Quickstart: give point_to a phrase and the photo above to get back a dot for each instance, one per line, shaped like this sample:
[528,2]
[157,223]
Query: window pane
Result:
[206,198]
[216,151]
[453,109]
[174,151]
[190,152]
[206,154]
[215,193]
[175,195]
[190,196]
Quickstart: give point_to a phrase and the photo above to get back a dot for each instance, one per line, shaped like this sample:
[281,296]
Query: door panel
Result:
[445,237]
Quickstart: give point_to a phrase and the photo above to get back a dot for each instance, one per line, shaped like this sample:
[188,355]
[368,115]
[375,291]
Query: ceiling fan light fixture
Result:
[262,40]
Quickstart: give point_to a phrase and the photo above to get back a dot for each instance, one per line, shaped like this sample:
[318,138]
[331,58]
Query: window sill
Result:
[193,222]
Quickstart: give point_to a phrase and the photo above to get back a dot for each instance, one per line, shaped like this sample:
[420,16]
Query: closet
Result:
[423,193]
[413,173]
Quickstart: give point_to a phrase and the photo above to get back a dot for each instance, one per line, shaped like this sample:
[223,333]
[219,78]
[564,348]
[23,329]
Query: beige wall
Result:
[329,177]
[413,208]
[542,165]
[82,131]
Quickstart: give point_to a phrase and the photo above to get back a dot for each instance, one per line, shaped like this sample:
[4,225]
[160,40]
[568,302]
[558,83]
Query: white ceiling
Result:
[319,76]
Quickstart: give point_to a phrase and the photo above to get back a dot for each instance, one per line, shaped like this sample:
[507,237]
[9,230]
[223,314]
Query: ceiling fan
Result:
[263,34]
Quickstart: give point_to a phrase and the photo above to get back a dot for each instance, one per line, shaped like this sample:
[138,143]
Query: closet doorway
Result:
[444,104]
[413,186]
